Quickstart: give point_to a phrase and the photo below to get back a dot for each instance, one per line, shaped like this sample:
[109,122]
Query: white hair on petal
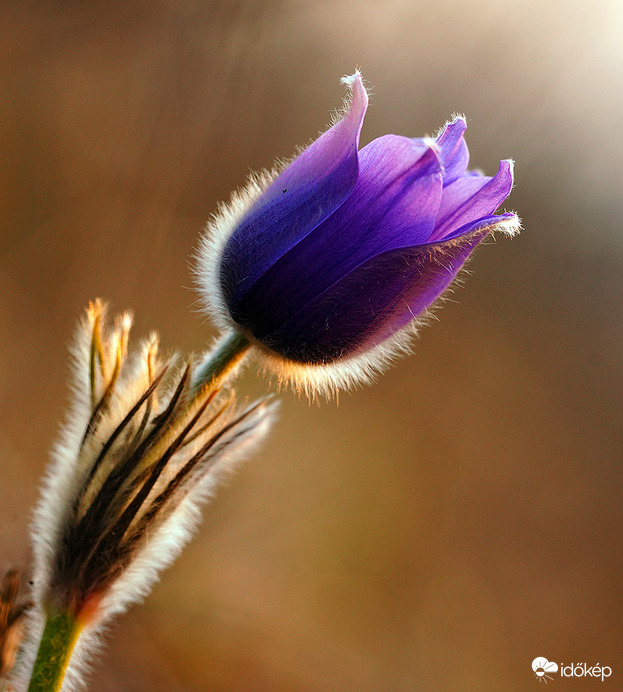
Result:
[228,216]
[212,243]
[510,226]
[317,379]
[355,371]
[327,380]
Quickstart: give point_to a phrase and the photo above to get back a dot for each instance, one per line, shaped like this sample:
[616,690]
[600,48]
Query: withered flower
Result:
[12,612]
[144,445]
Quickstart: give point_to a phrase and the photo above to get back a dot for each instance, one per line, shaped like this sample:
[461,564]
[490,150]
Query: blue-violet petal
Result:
[306,192]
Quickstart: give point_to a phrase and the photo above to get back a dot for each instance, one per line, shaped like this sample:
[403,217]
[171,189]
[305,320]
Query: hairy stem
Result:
[59,637]
[229,353]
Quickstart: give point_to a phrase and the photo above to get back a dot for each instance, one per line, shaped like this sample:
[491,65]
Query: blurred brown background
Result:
[437,531]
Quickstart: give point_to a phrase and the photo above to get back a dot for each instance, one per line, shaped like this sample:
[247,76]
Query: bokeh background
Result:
[437,531]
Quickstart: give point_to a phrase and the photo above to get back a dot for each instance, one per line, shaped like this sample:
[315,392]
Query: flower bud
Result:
[328,264]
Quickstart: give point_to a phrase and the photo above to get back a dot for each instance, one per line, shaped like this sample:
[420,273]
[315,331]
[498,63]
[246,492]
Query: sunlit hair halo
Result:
[328,264]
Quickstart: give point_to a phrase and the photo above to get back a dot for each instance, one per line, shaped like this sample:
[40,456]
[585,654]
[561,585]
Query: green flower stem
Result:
[55,648]
[230,352]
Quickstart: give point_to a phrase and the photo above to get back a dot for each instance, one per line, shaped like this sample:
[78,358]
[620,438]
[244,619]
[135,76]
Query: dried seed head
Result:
[142,448]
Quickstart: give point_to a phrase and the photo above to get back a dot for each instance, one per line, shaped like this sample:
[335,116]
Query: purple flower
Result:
[329,261]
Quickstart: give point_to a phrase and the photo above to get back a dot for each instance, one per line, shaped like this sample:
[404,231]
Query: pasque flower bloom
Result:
[327,264]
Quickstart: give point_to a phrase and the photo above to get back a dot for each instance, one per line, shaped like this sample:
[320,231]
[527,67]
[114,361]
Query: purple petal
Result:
[304,194]
[393,205]
[372,302]
[453,150]
[490,223]
[470,198]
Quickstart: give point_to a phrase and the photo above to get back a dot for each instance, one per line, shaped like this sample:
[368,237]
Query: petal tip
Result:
[350,79]
[358,92]
[455,127]
[458,121]
[510,224]
[506,174]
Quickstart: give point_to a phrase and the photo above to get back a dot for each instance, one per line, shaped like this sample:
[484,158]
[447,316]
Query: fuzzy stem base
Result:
[57,643]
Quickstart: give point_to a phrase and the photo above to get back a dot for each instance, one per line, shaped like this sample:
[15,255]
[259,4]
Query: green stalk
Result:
[230,352]
[55,648]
